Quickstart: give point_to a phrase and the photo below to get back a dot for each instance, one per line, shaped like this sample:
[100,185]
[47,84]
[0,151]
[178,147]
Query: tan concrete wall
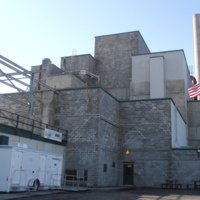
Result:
[140,90]
[176,78]
[178,129]
[41,72]
[64,81]
[175,90]
[157,77]
[34,144]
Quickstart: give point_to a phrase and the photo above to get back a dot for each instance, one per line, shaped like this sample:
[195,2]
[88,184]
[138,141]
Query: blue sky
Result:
[35,29]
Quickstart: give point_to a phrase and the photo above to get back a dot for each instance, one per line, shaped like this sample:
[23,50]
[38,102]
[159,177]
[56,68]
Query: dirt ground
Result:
[134,194]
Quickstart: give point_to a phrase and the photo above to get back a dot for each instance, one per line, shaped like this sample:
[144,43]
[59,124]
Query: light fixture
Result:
[127,152]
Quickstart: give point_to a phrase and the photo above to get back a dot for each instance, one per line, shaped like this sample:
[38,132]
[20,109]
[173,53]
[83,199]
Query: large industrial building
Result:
[129,117]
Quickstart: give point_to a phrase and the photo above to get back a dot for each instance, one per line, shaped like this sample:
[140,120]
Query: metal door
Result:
[55,176]
[128,174]
[42,169]
[17,167]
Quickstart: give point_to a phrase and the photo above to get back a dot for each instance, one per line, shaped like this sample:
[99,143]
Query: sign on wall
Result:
[52,135]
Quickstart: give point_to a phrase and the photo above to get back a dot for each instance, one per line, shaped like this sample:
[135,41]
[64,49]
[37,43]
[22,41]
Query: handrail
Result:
[76,180]
[27,123]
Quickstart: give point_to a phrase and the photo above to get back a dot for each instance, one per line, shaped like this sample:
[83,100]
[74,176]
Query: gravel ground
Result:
[134,194]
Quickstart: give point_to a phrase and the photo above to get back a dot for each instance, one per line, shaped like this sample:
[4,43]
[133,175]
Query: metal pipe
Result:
[196,33]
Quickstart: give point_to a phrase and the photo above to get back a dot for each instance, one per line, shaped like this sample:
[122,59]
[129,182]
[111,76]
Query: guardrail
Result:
[33,127]
[74,180]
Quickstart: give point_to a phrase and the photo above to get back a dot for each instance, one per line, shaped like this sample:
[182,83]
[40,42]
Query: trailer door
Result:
[55,174]
[42,169]
[17,167]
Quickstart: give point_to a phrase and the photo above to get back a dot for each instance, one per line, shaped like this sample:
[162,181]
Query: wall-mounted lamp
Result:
[127,152]
[198,152]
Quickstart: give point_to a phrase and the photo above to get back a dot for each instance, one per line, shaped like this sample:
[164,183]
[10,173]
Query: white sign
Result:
[52,135]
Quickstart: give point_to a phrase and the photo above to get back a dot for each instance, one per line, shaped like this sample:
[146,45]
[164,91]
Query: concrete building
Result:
[124,99]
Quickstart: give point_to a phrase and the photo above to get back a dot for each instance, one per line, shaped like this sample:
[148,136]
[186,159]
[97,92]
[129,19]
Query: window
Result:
[73,174]
[105,168]
[70,174]
[113,164]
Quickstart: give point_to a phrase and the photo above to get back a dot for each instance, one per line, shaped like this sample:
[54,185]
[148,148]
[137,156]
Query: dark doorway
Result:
[128,174]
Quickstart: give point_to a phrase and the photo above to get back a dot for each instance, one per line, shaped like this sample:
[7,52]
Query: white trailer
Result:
[24,169]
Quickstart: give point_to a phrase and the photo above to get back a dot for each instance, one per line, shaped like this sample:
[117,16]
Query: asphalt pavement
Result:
[110,193]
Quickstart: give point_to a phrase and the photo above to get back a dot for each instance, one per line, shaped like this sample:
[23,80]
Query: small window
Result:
[85,175]
[70,174]
[57,122]
[113,164]
[57,110]
[73,174]
[105,168]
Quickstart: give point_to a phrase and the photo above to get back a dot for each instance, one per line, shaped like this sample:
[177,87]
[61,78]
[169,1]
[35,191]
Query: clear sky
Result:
[35,29]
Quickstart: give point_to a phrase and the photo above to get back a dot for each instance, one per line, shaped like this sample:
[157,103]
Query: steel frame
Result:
[18,75]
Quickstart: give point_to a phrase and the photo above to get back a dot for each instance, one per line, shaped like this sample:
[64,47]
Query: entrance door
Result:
[128,173]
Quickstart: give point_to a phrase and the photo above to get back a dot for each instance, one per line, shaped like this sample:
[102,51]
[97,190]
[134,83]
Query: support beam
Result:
[10,80]
[15,100]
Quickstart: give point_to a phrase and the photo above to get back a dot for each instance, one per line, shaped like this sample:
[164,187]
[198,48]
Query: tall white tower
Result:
[196,32]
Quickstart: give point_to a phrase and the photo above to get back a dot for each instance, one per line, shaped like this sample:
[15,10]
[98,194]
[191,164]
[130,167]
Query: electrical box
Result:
[4,140]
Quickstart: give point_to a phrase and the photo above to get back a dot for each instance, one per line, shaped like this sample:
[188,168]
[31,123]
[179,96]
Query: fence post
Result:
[33,124]
[17,123]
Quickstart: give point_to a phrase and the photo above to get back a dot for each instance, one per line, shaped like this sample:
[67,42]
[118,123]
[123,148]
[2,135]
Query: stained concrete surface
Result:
[114,194]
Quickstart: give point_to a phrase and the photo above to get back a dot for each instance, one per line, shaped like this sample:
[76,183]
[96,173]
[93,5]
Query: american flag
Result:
[194,91]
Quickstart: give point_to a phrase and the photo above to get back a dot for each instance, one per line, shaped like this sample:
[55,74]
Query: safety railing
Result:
[32,126]
[74,180]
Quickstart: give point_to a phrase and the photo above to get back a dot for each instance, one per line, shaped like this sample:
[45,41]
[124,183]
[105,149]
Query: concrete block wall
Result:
[145,130]
[23,110]
[185,166]
[91,117]
[108,107]
[108,140]
[113,61]
[49,104]
[77,113]
[41,72]
[101,129]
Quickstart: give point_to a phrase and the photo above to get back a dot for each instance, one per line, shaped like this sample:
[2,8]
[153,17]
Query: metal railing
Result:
[51,178]
[33,126]
[74,180]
